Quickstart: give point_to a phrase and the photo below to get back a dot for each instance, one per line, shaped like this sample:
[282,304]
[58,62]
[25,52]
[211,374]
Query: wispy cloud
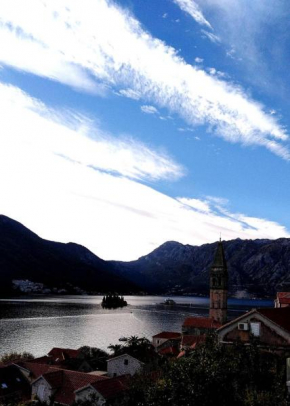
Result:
[198,60]
[212,37]
[69,181]
[130,93]
[213,210]
[72,42]
[247,33]
[193,9]
[77,138]
[149,109]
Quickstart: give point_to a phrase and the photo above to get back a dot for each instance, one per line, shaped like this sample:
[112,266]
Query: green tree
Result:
[13,356]
[215,375]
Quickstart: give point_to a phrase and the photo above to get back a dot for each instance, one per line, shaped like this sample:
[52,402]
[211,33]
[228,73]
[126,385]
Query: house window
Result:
[255,329]
[126,362]
[158,341]
[4,385]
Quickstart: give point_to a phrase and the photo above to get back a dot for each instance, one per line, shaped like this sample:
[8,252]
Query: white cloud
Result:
[197,204]
[187,129]
[192,8]
[248,34]
[165,15]
[76,138]
[149,109]
[198,60]
[130,93]
[59,37]
[65,186]
[212,37]
[220,201]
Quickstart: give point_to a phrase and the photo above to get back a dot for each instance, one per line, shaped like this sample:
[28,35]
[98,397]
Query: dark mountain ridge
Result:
[256,267]
[26,256]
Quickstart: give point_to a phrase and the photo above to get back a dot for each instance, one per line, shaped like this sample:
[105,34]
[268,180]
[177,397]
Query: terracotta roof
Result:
[60,354]
[192,341]
[112,388]
[281,295]
[201,322]
[280,316]
[167,334]
[41,360]
[169,351]
[67,382]
[54,378]
[36,370]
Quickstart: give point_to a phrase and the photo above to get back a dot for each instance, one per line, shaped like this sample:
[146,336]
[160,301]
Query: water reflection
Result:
[38,324]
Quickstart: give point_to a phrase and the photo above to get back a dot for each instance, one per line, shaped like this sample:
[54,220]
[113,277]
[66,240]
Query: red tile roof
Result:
[280,316]
[54,378]
[167,334]
[201,322]
[112,388]
[36,370]
[169,351]
[61,354]
[284,300]
[281,295]
[192,341]
[67,382]
[41,360]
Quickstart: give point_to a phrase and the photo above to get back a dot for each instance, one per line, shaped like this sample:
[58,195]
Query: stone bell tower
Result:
[219,286]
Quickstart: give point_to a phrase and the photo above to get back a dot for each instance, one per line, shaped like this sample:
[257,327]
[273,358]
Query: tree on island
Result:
[214,375]
[113,301]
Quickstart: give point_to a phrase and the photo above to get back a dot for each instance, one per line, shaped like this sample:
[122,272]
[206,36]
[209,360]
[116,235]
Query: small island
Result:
[113,301]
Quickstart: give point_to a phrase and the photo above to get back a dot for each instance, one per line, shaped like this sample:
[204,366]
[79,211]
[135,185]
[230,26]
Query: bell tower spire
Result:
[219,286]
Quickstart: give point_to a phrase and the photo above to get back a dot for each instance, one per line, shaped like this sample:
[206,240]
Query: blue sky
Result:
[125,124]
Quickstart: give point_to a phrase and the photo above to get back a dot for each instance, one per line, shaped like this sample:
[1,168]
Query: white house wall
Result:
[117,366]
[41,390]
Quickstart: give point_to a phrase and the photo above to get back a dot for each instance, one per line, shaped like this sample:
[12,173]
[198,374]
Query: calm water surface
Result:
[38,324]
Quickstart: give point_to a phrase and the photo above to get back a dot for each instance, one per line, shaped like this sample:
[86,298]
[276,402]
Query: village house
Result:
[196,326]
[282,299]
[60,385]
[161,338]
[123,365]
[269,326]
[32,370]
[99,393]
[189,342]
[14,387]
[58,355]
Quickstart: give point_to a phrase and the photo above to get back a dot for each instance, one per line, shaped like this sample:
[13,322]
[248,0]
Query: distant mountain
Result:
[256,267]
[70,267]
